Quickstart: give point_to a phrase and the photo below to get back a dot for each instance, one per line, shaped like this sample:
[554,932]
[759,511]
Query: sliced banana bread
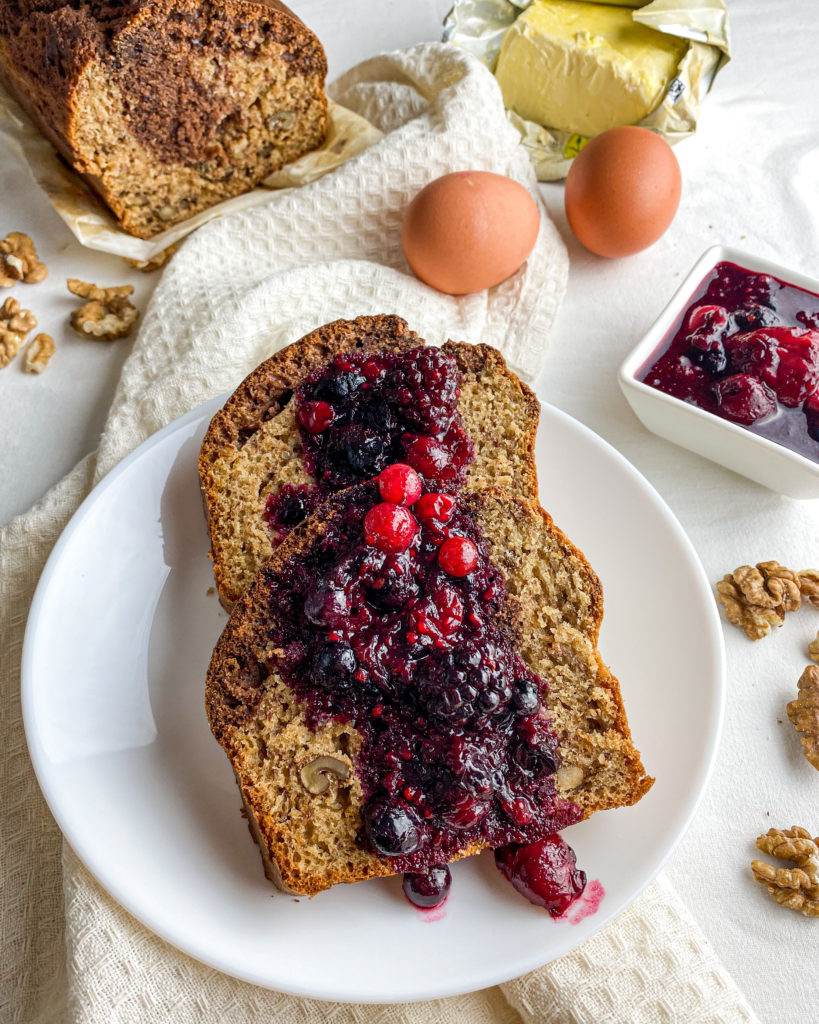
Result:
[166,106]
[333,409]
[397,692]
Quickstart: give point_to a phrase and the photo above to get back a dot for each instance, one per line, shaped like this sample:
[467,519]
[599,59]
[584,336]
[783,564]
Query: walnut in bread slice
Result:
[437,409]
[383,714]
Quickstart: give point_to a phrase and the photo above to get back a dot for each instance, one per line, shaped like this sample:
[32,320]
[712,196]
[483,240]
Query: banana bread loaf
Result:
[166,107]
[457,414]
[386,711]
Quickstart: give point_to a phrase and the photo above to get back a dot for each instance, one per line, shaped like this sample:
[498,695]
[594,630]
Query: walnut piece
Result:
[38,353]
[809,586]
[813,649]
[107,315]
[758,597]
[797,888]
[804,713]
[314,774]
[18,261]
[15,324]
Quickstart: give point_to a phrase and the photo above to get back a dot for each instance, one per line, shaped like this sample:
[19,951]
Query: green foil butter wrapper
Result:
[480,25]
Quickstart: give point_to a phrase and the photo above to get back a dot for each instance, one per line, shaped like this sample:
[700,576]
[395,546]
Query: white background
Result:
[751,180]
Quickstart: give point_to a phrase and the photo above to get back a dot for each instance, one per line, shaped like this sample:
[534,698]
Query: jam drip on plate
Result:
[747,349]
[392,623]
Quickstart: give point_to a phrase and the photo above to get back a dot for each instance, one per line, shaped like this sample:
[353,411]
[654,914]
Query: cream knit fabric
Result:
[240,288]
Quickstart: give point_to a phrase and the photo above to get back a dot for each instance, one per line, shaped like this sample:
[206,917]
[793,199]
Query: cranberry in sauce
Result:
[457,747]
[747,349]
[545,872]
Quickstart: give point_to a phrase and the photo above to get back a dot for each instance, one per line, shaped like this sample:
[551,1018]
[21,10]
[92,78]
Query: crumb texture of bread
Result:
[500,413]
[555,608]
[167,107]
[553,612]
[253,447]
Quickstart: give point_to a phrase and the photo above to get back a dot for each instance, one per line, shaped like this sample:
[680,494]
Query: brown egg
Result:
[469,230]
[622,191]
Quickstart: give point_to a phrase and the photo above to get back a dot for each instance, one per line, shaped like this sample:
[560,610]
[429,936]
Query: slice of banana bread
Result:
[166,107]
[268,447]
[385,710]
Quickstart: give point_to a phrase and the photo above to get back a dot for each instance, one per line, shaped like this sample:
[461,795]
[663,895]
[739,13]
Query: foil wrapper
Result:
[93,224]
[480,25]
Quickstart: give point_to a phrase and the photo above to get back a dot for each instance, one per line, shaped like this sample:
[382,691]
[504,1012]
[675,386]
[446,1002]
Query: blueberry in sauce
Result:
[427,889]
[392,828]
[747,349]
[290,506]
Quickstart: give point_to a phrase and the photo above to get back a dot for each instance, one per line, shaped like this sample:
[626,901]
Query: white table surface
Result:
[751,179]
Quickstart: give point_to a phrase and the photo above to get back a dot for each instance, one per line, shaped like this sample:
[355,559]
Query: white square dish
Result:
[729,444]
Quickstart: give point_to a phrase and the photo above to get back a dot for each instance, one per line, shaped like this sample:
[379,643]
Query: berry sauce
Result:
[288,507]
[365,411]
[747,349]
[373,630]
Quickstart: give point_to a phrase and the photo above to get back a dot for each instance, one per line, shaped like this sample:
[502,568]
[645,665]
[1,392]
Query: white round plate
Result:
[117,646]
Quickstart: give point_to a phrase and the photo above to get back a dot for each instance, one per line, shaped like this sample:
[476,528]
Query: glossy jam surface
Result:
[384,408]
[545,872]
[457,748]
[747,349]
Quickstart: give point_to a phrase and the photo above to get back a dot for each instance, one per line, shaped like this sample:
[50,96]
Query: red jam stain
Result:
[747,349]
[375,628]
[433,914]
[587,904]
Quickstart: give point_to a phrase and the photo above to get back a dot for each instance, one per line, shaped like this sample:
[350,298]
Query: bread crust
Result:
[236,685]
[268,389]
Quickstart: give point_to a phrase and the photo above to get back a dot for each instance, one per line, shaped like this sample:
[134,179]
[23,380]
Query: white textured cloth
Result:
[238,289]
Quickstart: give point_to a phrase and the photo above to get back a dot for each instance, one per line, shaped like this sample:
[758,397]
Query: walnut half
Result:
[18,261]
[107,315]
[15,324]
[804,713]
[797,888]
[755,598]
[38,353]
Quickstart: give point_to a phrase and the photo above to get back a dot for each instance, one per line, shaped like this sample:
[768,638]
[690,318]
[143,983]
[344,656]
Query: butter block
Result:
[584,67]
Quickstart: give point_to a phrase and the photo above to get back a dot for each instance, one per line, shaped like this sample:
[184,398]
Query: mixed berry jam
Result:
[747,349]
[362,412]
[289,507]
[379,627]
